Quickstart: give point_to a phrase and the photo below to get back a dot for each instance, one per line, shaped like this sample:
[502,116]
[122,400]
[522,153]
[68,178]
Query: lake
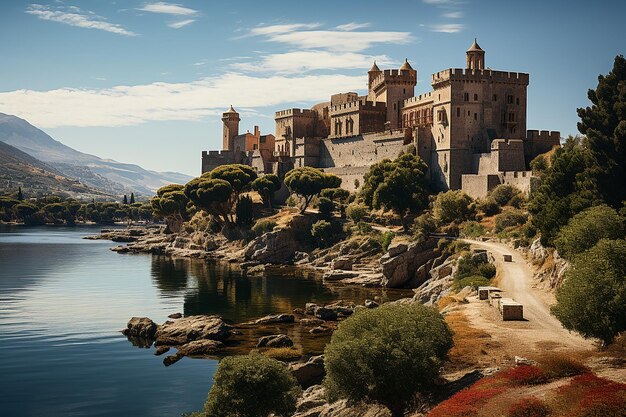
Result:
[64,300]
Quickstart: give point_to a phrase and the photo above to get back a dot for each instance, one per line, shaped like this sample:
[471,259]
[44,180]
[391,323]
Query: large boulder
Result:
[310,372]
[141,327]
[187,329]
[280,245]
[343,263]
[275,341]
[312,403]
[399,267]
[276,318]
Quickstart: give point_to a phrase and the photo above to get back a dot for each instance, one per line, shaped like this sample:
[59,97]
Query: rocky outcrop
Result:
[330,312]
[343,263]
[274,341]
[310,372]
[280,245]
[312,403]
[402,261]
[276,318]
[439,284]
[140,327]
[551,267]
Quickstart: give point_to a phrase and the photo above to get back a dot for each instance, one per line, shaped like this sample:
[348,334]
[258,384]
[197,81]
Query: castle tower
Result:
[475,57]
[231,128]
[373,73]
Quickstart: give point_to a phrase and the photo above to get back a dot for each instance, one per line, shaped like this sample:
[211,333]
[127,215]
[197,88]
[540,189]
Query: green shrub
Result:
[591,299]
[472,229]
[452,206]
[509,219]
[291,201]
[263,226]
[251,386]
[586,228]
[244,211]
[539,164]
[487,270]
[364,228]
[503,193]
[424,225]
[336,194]
[517,201]
[322,231]
[385,239]
[387,355]
[489,206]
[325,206]
[356,212]
[473,281]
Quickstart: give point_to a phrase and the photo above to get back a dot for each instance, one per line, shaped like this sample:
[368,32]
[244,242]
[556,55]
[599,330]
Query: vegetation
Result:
[423,226]
[397,185]
[170,203]
[213,196]
[591,300]
[489,206]
[325,206]
[251,386]
[323,232]
[510,218]
[387,355]
[472,229]
[452,206]
[266,186]
[263,226]
[503,193]
[586,229]
[473,272]
[244,212]
[308,183]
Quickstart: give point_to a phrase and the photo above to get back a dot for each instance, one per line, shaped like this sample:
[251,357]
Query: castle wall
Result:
[538,142]
[363,150]
[508,155]
[213,159]
[348,175]
[478,186]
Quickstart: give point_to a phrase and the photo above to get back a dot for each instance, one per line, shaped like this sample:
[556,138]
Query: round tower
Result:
[475,57]
[373,73]
[231,128]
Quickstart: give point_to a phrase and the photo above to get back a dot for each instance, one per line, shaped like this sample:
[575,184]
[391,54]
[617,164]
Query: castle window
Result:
[495,97]
[475,116]
[466,97]
[469,113]
[475,97]
[458,112]
[404,91]
[517,101]
[511,117]
[509,99]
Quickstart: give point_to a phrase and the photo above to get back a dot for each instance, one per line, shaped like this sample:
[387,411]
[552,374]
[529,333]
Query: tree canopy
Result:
[266,185]
[452,206]
[212,195]
[308,182]
[170,203]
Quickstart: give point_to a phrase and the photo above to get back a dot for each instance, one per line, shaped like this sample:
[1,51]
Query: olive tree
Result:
[452,206]
[251,386]
[387,355]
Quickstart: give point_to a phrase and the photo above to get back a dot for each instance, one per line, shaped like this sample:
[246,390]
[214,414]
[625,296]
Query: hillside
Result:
[113,176]
[18,169]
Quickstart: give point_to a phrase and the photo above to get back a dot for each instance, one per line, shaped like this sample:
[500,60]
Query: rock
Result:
[277,318]
[311,322]
[161,350]
[172,359]
[338,275]
[371,304]
[257,269]
[300,258]
[201,347]
[480,256]
[312,403]
[141,327]
[319,329]
[187,329]
[298,311]
[326,314]
[280,245]
[342,263]
[399,269]
[309,373]
[120,249]
[309,308]
[275,341]
[175,316]
[397,249]
[519,361]
[432,290]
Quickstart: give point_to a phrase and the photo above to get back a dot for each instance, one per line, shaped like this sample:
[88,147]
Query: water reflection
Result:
[170,275]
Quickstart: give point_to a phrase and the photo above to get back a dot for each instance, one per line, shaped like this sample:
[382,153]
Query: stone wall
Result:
[479,185]
[348,175]
[213,159]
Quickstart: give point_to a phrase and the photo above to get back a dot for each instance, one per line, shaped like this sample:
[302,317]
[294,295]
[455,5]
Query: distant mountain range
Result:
[18,169]
[105,175]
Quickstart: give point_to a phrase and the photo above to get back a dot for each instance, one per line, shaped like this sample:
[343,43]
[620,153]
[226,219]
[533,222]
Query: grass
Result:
[470,343]
[284,354]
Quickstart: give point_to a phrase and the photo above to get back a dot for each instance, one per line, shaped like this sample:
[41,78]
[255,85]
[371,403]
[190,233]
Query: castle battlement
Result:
[422,98]
[394,76]
[358,105]
[294,112]
[222,153]
[507,144]
[543,135]
[466,74]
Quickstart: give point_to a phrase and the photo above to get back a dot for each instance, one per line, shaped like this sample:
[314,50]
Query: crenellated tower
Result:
[392,87]
[231,120]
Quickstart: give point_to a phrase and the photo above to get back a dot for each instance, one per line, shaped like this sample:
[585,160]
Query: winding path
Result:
[541,331]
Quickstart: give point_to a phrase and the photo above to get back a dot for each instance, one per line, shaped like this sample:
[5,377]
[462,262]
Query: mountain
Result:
[110,175]
[18,169]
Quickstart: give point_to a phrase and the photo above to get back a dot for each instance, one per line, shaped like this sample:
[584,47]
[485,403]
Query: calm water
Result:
[63,300]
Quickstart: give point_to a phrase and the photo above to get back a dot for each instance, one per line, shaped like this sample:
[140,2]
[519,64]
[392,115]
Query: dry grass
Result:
[561,365]
[283,354]
[471,345]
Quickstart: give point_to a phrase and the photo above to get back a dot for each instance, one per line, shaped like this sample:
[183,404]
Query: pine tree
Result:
[20,196]
[125,201]
[132,198]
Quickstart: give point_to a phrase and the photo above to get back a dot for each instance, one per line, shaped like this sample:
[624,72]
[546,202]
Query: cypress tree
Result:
[125,201]
[132,198]
[20,196]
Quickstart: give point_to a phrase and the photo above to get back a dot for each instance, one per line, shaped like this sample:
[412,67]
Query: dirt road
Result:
[540,332]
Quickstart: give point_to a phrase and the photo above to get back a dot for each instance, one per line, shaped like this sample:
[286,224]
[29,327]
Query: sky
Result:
[146,82]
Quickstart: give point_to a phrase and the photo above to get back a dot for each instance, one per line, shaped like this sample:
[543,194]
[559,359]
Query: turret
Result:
[231,128]
[475,57]
[373,73]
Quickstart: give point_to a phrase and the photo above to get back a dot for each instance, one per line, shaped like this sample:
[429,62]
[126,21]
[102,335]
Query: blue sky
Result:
[146,82]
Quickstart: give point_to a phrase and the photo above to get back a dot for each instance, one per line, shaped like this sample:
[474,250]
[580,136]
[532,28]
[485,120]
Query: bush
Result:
[586,228]
[387,355]
[472,229]
[244,211]
[325,206]
[356,212]
[510,219]
[487,270]
[336,194]
[503,193]
[591,300]
[452,206]
[424,225]
[291,201]
[385,240]
[517,201]
[539,164]
[473,281]
[529,407]
[364,228]
[322,231]
[561,366]
[263,226]
[489,206]
[251,386]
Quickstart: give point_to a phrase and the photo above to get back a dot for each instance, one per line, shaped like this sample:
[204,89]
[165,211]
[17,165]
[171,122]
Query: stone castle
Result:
[470,130]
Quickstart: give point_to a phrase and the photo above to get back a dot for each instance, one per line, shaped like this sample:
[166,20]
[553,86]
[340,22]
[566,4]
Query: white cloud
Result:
[73,16]
[304,61]
[181,23]
[299,35]
[448,27]
[453,15]
[132,105]
[168,8]
[353,26]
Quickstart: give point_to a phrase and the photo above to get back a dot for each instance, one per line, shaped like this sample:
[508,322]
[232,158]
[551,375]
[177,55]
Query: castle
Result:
[470,130]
